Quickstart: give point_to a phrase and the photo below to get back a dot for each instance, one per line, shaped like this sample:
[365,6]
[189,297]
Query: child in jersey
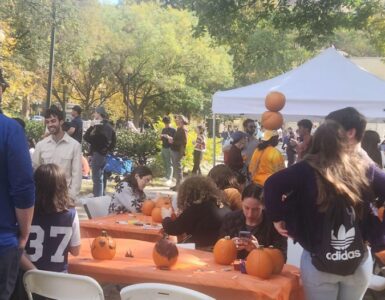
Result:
[55,227]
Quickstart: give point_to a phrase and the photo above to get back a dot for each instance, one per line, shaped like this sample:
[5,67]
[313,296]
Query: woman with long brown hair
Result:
[325,203]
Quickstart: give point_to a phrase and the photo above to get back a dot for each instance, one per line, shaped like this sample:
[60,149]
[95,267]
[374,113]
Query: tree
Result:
[154,57]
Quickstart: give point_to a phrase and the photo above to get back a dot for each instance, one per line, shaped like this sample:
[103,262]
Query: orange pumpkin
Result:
[156,215]
[272,120]
[165,254]
[275,101]
[164,201]
[147,207]
[259,263]
[225,251]
[277,258]
[103,247]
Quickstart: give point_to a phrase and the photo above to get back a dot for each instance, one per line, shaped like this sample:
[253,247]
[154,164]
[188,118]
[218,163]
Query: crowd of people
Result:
[326,198]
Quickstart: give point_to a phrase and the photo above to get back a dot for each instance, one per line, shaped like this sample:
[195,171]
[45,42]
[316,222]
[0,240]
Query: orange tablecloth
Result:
[194,269]
[121,226]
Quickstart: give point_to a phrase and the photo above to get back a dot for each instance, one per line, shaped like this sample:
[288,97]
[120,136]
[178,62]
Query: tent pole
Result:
[214,141]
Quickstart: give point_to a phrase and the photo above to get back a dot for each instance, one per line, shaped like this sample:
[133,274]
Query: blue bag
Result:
[118,165]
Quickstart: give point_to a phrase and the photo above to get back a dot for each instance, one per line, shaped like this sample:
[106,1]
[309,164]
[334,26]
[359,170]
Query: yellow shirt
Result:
[270,161]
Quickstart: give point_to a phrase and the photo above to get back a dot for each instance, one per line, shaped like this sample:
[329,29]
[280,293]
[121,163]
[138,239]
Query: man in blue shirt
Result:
[17,197]
[76,125]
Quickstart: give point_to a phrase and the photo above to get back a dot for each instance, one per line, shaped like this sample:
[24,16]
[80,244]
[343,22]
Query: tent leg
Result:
[214,141]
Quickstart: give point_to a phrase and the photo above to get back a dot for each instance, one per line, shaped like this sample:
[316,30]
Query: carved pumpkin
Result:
[272,120]
[156,215]
[147,207]
[225,251]
[164,201]
[103,247]
[275,101]
[259,263]
[165,254]
[277,258]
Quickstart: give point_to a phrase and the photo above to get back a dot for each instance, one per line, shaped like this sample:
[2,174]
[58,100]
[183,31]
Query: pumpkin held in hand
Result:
[272,120]
[165,254]
[147,207]
[103,247]
[275,101]
[225,251]
[259,263]
[277,258]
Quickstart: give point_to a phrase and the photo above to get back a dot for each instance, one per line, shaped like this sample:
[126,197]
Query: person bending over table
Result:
[252,223]
[202,212]
[129,195]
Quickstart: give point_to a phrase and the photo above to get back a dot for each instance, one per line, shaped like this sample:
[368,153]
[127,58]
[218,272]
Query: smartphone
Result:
[245,234]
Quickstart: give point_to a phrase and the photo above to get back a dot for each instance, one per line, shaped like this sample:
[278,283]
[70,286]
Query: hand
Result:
[245,243]
[170,139]
[166,212]
[281,228]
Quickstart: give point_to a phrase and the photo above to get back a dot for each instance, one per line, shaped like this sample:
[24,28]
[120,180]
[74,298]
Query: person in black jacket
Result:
[252,218]
[202,212]
[102,140]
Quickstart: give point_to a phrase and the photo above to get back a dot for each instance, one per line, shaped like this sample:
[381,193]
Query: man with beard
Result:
[59,148]
[251,142]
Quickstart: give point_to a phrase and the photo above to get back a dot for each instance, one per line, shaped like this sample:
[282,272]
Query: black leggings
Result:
[197,161]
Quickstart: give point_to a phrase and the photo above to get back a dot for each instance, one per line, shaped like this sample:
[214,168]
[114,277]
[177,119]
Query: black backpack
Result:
[342,248]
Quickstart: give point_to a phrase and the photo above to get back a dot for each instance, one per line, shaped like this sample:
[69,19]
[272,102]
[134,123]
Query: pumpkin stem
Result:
[227,237]
[260,247]
[104,233]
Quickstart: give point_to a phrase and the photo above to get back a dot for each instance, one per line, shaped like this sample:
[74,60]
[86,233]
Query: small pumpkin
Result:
[225,251]
[156,215]
[272,120]
[259,263]
[147,207]
[164,201]
[103,247]
[165,254]
[275,101]
[277,258]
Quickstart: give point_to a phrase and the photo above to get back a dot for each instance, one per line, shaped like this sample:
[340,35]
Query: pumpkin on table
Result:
[259,263]
[103,247]
[165,254]
[147,207]
[277,258]
[225,251]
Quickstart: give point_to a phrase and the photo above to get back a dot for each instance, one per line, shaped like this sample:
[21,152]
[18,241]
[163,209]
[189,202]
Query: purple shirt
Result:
[299,210]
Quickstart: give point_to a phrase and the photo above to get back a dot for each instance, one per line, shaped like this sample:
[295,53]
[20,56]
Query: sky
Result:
[109,1]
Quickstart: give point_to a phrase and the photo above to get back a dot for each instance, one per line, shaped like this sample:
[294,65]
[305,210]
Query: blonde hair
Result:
[196,190]
[339,171]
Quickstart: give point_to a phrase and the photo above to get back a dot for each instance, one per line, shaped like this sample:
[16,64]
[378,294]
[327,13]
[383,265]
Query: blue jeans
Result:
[9,267]
[177,165]
[325,286]
[98,164]
[166,156]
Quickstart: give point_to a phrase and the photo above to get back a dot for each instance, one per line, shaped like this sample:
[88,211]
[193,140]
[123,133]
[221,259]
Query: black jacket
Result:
[265,232]
[101,137]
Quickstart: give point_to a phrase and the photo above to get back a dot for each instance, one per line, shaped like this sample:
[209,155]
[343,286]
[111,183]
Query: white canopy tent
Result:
[323,84]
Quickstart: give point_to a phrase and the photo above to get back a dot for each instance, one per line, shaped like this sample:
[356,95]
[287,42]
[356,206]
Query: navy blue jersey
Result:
[50,239]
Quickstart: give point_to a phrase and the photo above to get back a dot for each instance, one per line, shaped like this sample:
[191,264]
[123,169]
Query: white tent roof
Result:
[325,83]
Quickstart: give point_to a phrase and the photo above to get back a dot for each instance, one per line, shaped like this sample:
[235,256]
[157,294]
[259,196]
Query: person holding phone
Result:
[249,227]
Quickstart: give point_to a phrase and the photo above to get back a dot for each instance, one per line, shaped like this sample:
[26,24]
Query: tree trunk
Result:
[25,107]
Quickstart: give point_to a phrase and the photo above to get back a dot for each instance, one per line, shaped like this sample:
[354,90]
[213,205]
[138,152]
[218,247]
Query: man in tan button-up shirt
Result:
[60,149]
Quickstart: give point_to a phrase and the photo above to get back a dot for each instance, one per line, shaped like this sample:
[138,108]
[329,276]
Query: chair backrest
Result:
[96,206]
[61,286]
[294,253]
[158,291]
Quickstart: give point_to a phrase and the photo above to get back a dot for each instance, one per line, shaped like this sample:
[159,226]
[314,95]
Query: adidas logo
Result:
[340,242]
[343,239]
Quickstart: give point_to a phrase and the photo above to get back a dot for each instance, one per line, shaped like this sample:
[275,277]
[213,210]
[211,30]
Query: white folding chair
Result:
[158,291]
[61,286]
[294,253]
[96,206]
